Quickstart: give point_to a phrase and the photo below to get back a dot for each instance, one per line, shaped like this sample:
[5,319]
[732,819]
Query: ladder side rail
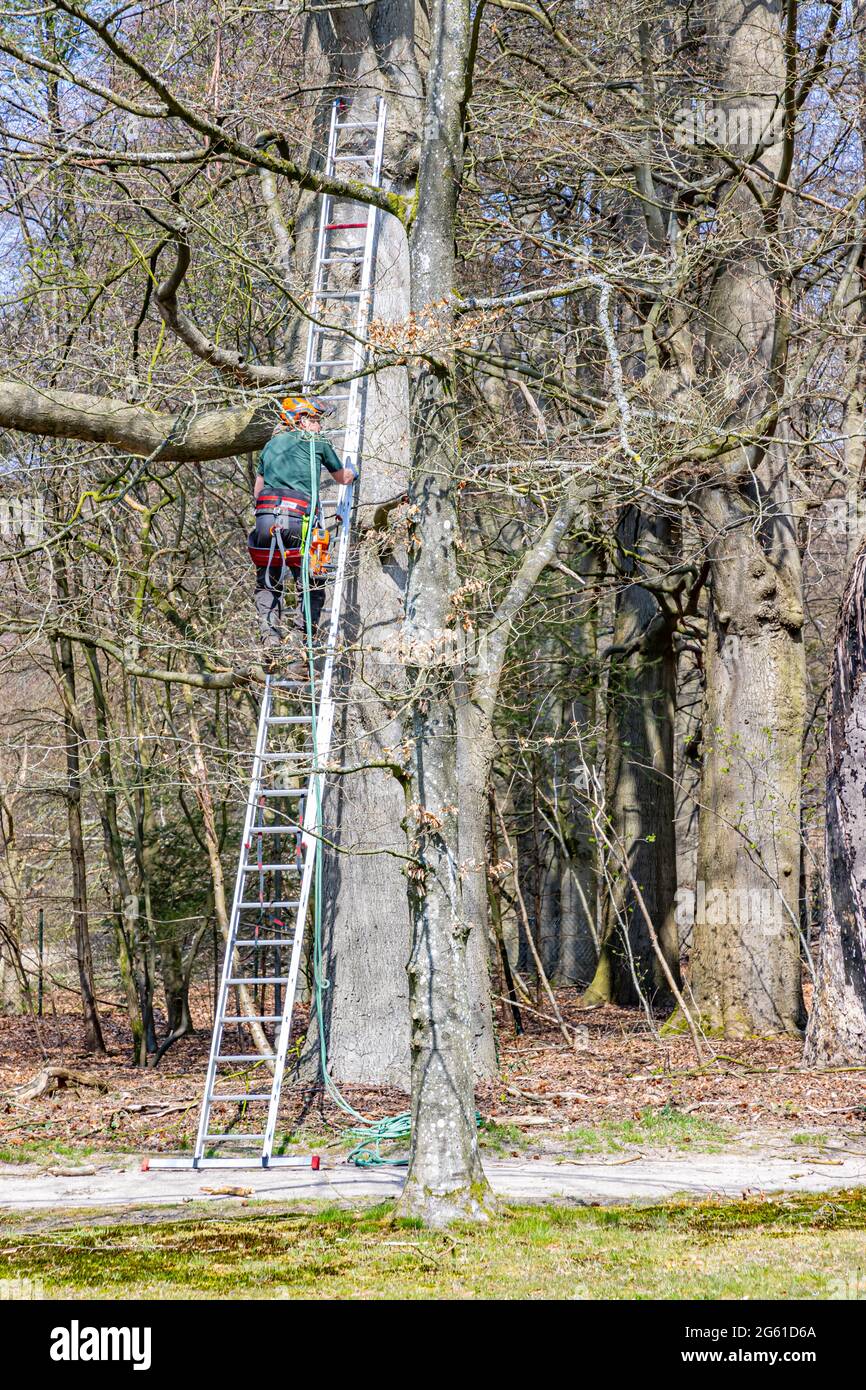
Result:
[282,1049]
[352,436]
[324,216]
[228,961]
[309,846]
[309,841]
[351,442]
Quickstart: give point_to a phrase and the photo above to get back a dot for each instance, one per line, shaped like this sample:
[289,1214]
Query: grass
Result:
[664,1128]
[808,1247]
[501,1139]
[44,1151]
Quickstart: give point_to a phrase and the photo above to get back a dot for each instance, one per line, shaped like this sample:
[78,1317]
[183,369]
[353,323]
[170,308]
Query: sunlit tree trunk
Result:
[639,791]
[745,965]
[836,1035]
[445,1178]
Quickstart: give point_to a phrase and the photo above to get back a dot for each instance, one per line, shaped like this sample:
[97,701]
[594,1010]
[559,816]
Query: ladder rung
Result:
[287,753]
[339,294]
[335,396]
[347,158]
[287,684]
[268,903]
[246,1056]
[289,719]
[333,361]
[257,1095]
[280,791]
[259,980]
[355,125]
[253,868]
[342,226]
[229,1020]
[353,259]
[233,1138]
[278,942]
[275,829]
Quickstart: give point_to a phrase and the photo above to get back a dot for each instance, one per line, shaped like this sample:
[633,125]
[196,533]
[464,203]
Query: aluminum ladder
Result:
[343,278]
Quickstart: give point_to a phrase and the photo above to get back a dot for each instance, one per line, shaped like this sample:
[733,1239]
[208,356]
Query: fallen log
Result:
[52,1079]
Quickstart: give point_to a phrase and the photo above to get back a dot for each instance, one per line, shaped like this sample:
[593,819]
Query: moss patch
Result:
[797,1247]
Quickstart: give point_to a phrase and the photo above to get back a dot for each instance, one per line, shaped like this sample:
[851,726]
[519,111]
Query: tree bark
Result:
[445,1180]
[836,1034]
[193,436]
[366,929]
[745,965]
[73,734]
[639,776]
[133,972]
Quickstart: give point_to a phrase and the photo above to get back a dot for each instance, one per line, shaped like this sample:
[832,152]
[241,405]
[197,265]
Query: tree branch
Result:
[189,437]
[255,154]
[232,363]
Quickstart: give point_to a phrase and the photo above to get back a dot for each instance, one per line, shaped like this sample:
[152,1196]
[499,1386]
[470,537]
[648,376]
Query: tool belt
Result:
[277,544]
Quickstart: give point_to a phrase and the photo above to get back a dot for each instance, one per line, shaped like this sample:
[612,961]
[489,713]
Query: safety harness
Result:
[281,554]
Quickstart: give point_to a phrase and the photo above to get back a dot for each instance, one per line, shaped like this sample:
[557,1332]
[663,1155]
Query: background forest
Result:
[618,339]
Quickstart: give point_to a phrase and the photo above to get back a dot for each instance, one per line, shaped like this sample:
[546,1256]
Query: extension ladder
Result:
[268,921]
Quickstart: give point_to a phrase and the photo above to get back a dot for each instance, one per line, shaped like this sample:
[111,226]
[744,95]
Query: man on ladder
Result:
[283,501]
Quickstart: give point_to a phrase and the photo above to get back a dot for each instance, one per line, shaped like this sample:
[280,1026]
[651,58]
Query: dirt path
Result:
[592,1180]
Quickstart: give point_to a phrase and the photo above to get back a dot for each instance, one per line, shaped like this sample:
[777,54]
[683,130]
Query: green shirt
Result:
[284,462]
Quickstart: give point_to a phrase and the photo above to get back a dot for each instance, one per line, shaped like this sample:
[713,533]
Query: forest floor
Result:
[625,1116]
[622,1092]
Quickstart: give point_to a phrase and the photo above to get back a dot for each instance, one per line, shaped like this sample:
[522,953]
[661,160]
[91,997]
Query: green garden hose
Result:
[371,1134]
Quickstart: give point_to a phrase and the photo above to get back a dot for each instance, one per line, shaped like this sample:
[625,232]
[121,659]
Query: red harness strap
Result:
[270,501]
[269,557]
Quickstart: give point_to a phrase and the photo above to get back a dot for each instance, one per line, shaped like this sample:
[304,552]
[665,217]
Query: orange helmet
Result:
[293,406]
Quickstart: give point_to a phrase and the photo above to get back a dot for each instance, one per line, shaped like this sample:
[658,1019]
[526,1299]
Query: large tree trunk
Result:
[639,792]
[576,854]
[836,1035]
[561,873]
[73,733]
[366,930]
[745,966]
[133,972]
[445,1178]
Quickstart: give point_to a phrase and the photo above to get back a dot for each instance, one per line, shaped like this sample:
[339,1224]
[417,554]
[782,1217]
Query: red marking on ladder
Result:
[315,1162]
[145,1165]
[340,226]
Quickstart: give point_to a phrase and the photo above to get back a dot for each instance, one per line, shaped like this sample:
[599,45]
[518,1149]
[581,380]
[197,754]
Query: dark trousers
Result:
[269,597]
